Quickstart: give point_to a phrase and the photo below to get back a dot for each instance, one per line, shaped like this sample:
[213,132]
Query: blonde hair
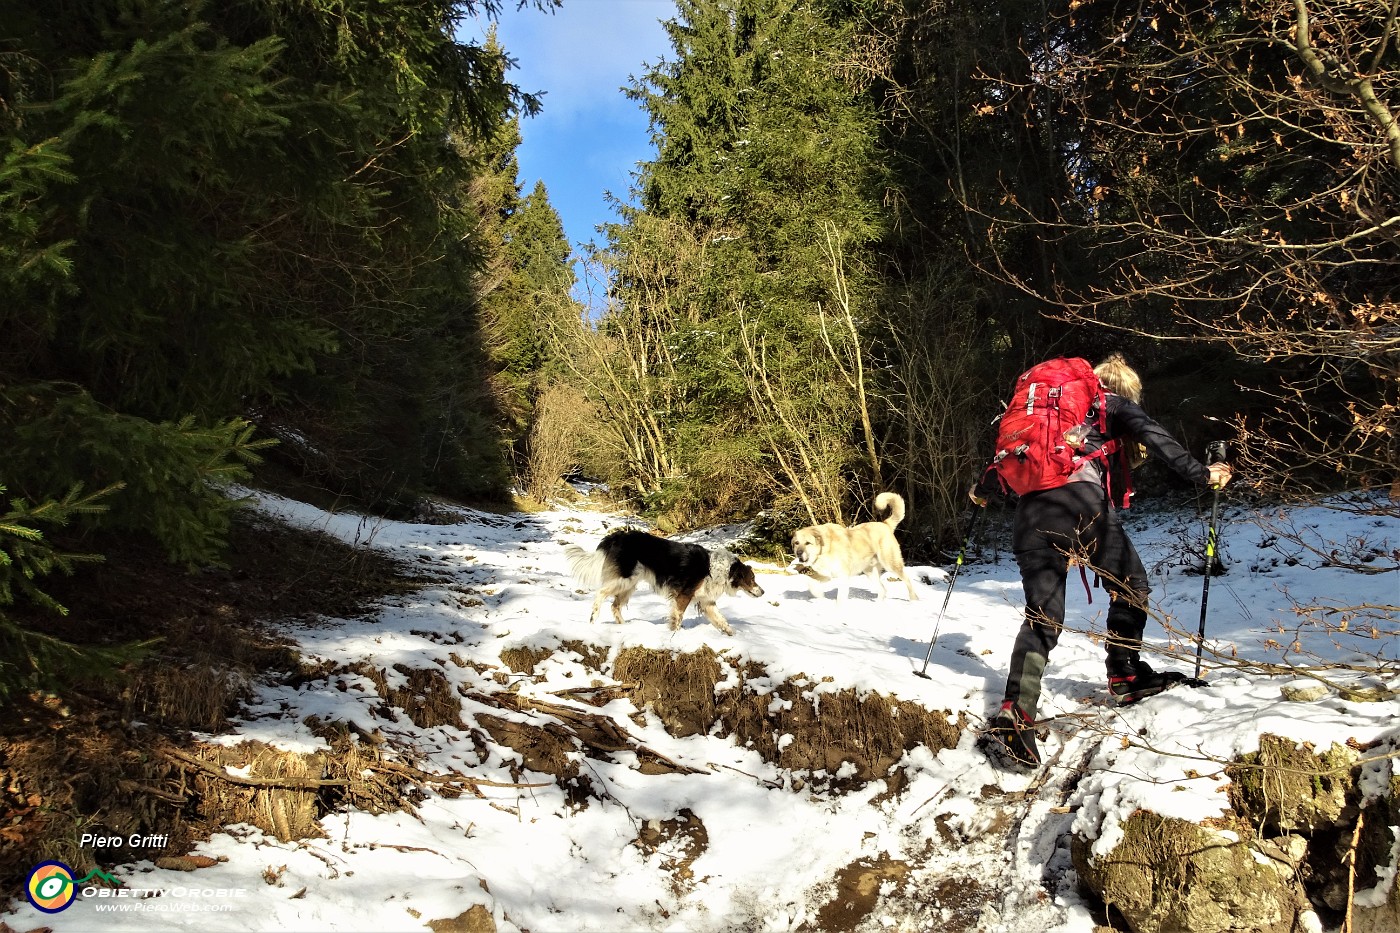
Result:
[1121,379]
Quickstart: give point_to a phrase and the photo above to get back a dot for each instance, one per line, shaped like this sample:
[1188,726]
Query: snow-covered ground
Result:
[535,862]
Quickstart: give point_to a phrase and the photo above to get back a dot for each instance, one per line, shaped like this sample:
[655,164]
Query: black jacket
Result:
[1128,422]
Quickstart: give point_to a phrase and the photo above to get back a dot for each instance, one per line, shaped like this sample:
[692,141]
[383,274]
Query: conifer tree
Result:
[84,386]
[224,223]
[766,156]
[536,290]
[402,405]
[29,659]
[523,285]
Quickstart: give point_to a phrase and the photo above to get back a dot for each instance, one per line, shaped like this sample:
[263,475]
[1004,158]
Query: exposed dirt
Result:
[116,757]
[686,837]
[858,889]
[102,757]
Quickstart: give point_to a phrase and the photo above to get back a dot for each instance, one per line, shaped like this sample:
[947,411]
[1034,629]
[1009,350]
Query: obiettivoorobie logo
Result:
[52,887]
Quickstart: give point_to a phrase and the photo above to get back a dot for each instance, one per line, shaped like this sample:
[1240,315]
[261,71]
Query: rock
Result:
[1367,695]
[476,919]
[1171,876]
[1287,787]
[1304,692]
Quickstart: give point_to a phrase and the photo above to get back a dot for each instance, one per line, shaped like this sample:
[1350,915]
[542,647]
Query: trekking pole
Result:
[1215,453]
[952,578]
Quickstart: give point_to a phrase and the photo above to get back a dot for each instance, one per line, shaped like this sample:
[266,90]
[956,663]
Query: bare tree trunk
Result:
[850,362]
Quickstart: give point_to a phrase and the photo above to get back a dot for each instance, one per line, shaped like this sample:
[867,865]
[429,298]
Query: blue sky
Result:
[589,137]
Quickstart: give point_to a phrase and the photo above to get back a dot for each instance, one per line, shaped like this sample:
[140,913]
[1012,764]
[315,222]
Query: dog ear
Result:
[741,574]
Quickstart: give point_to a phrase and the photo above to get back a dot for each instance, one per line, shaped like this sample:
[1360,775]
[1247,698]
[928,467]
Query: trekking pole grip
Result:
[1215,453]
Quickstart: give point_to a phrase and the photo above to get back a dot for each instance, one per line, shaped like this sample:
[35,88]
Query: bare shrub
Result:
[940,429]
[623,368]
[562,417]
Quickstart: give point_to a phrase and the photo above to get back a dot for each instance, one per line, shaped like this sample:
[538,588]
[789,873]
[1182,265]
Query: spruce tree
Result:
[29,659]
[223,224]
[534,292]
[767,159]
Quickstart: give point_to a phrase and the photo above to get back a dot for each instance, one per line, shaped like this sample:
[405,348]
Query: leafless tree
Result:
[1236,172]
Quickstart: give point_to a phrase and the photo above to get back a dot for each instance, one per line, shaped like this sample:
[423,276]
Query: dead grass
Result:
[523,660]
[830,729]
[679,688]
[117,758]
[286,803]
[89,760]
[426,696]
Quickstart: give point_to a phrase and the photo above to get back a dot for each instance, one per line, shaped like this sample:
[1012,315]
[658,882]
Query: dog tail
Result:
[894,503]
[586,566]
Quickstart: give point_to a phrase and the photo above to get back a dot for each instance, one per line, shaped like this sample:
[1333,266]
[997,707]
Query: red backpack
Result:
[1055,406]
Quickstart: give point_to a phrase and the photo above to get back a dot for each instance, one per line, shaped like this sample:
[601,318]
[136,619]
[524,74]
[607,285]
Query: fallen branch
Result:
[1350,859]
[417,774]
[592,729]
[324,857]
[288,783]
[611,690]
[178,800]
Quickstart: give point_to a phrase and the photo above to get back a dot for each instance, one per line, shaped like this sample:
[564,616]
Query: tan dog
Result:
[833,553]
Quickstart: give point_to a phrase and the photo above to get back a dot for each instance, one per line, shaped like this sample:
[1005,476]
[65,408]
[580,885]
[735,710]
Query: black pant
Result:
[1075,520]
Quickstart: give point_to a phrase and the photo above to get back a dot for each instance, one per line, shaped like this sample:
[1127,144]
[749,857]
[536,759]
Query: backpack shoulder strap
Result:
[1110,447]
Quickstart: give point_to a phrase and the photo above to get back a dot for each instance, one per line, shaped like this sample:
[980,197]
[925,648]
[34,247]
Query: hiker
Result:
[1076,518]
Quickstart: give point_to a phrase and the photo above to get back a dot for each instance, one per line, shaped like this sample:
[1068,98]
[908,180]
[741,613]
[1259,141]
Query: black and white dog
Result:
[678,571]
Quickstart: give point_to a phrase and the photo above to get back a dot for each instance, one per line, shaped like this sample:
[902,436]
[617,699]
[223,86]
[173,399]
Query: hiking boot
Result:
[1010,739]
[1141,683]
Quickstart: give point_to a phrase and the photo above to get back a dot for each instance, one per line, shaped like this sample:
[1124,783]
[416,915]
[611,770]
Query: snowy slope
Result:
[975,854]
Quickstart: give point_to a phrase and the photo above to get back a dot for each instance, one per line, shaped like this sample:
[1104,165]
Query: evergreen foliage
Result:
[251,211]
[526,286]
[227,225]
[971,189]
[766,155]
[532,305]
[31,660]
